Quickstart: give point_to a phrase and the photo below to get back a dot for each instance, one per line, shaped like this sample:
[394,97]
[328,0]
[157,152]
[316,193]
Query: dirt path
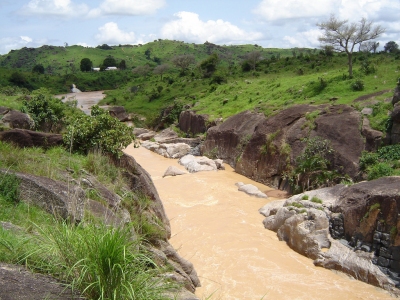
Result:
[220,231]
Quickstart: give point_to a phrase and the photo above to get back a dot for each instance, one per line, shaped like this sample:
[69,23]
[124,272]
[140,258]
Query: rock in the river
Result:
[197,164]
[174,171]
[250,189]
[74,89]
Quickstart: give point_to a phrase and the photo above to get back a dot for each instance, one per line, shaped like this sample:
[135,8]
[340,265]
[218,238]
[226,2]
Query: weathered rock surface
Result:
[16,282]
[250,189]
[174,171]
[257,147]
[396,96]
[198,163]
[53,196]
[165,136]
[29,138]
[192,123]
[353,229]
[16,119]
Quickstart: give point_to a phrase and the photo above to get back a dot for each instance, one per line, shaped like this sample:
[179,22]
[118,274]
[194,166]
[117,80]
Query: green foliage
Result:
[379,170]
[109,61]
[209,65]
[367,68]
[357,85]
[390,152]
[368,159]
[46,111]
[98,131]
[19,79]
[86,65]
[316,200]
[38,69]
[9,187]
[297,204]
[305,197]
[269,148]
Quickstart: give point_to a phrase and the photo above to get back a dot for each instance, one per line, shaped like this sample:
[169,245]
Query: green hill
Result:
[279,78]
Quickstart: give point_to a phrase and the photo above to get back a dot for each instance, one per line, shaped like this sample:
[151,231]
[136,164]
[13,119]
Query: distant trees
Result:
[183,62]
[344,37]
[391,47]
[86,65]
[370,46]
[38,69]
[109,61]
[105,47]
[142,70]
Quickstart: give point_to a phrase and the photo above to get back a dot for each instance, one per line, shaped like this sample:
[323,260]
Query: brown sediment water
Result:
[220,231]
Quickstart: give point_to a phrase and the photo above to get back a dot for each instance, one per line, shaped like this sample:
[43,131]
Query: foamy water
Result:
[220,231]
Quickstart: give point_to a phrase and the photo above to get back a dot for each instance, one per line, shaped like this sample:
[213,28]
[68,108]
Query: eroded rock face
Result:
[28,138]
[357,226]
[192,123]
[262,149]
[17,119]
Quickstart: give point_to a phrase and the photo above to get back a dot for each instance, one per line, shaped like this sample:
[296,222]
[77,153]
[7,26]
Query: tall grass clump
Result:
[98,261]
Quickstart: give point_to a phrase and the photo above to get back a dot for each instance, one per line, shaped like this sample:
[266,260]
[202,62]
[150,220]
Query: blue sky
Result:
[269,23]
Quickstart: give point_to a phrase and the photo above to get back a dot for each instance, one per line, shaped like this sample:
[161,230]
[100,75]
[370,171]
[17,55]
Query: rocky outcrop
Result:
[353,229]
[15,119]
[53,196]
[262,148]
[192,123]
[396,96]
[29,138]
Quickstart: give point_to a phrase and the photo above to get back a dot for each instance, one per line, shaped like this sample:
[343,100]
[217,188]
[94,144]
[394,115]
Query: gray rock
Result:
[174,171]
[74,89]
[250,190]
[367,111]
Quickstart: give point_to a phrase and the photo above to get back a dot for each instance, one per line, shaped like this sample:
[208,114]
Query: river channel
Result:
[220,231]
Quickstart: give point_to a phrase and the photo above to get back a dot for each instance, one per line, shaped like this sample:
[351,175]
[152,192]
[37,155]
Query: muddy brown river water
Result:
[220,231]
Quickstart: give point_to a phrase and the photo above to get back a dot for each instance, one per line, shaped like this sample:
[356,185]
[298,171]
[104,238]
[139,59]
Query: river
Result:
[220,231]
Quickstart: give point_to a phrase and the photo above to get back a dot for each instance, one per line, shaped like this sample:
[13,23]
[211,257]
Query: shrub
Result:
[305,197]
[9,187]
[316,200]
[357,85]
[98,131]
[379,170]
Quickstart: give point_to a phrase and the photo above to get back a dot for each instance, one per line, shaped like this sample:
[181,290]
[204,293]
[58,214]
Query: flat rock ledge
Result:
[250,189]
[304,222]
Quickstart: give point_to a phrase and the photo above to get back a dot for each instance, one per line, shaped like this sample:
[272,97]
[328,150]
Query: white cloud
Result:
[127,7]
[58,8]
[109,33]
[187,26]
[307,39]
[273,10]
[13,43]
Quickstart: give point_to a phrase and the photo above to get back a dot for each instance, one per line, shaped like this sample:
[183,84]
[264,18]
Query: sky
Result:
[268,23]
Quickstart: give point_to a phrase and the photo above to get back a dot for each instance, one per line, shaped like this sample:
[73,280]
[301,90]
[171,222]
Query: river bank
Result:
[220,231]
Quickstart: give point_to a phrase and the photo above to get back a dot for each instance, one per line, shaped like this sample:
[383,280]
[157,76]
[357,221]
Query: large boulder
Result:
[29,138]
[227,140]
[55,197]
[16,119]
[192,123]
[263,148]
[118,112]
[353,229]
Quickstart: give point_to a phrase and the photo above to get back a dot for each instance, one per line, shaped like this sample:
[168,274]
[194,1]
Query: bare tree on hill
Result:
[344,37]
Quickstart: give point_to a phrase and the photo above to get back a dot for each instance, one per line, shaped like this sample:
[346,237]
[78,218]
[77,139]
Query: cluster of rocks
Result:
[353,229]
[10,118]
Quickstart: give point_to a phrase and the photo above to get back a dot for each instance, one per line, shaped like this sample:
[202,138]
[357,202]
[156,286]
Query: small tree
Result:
[391,47]
[253,58]
[142,70]
[209,65]
[344,37]
[161,69]
[86,65]
[109,61]
[183,62]
[122,65]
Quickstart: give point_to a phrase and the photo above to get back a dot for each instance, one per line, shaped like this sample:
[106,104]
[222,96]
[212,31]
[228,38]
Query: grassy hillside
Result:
[281,77]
